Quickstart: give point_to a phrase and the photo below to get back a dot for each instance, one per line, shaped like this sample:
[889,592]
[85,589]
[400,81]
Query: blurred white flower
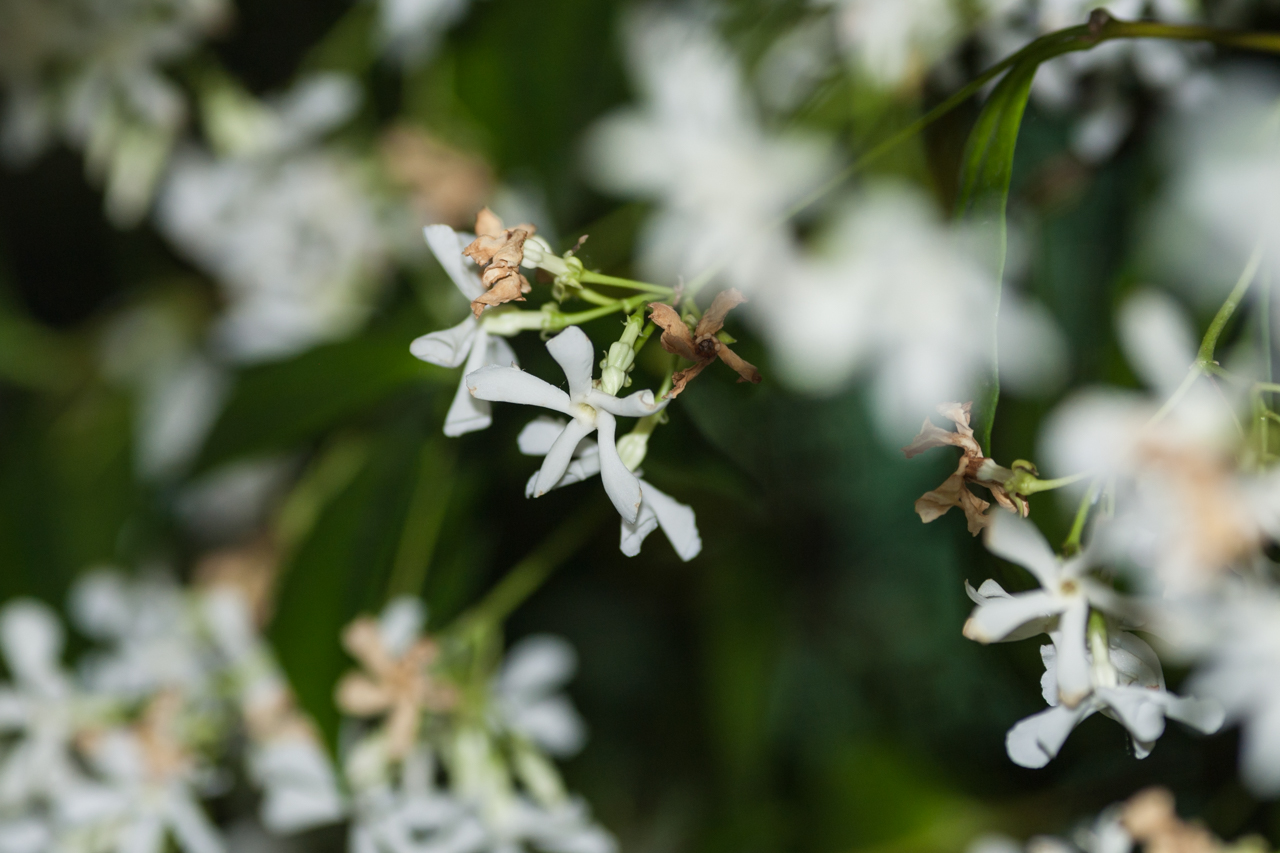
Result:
[657,509]
[1059,608]
[290,230]
[1241,659]
[410,30]
[1106,111]
[91,73]
[1184,513]
[470,342]
[146,791]
[722,184]
[42,709]
[590,409]
[285,757]
[152,633]
[893,292]
[1127,684]
[527,694]
[892,42]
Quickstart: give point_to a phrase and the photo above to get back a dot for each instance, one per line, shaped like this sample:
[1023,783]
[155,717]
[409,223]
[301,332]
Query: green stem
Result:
[586,294]
[555,322]
[1072,545]
[527,576]
[614,281]
[1210,341]
[1034,486]
[424,520]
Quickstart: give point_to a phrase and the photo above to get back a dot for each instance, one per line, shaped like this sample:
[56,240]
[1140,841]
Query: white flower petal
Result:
[447,245]
[1070,643]
[634,534]
[193,831]
[678,521]
[1017,540]
[401,622]
[1035,741]
[538,665]
[1203,715]
[997,620]
[32,639]
[635,405]
[1157,340]
[560,455]
[1139,709]
[499,352]
[572,350]
[512,385]
[448,347]
[468,413]
[539,434]
[619,483]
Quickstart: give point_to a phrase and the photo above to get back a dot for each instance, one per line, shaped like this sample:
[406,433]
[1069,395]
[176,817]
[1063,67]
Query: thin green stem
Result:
[1072,544]
[586,294]
[559,321]
[424,520]
[1034,486]
[614,281]
[1210,341]
[527,576]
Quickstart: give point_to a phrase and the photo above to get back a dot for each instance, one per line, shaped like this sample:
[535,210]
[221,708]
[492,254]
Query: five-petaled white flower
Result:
[1060,607]
[591,409]
[469,341]
[657,509]
[1126,684]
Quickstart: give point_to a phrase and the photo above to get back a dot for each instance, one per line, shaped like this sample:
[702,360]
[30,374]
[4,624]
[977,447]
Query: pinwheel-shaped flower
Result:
[469,341]
[591,409]
[397,680]
[1125,683]
[1060,607]
[148,790]
[657,509]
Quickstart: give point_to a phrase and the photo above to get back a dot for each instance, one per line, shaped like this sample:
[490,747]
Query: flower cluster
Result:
[123,753]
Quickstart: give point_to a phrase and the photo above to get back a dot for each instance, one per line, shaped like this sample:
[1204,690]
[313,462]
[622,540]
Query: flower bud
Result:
[510,321]
[632,448]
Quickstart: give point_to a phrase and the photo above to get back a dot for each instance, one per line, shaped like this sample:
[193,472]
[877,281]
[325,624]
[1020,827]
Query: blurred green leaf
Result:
[276,406]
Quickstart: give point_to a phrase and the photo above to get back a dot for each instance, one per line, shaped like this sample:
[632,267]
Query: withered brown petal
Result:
[713,320]
[681,378]
[506,289]
[746,370]
[363,641]
[361,697]
[488,224]
[929,437]
[676,337]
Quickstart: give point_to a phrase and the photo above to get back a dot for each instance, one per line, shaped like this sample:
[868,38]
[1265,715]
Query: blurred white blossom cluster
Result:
[885,290]
[180,696]
[91,74]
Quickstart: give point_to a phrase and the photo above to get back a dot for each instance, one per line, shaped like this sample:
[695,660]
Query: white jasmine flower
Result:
[414,816]
[1060,607]
[528,698]
[893,42]
[91,73]
[722,183]
[41,707]
[470,342]
[1184,514]
[894,293]
[285,757]
[153,636]
[1126,683]
[410,29]
[1240,666]
[291,232]
[657,509]
[590,409]
[147,789]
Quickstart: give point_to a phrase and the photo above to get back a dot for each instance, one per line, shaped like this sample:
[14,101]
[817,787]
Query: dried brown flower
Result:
[1149,817]
[974,467]
[701,346]
[498,251]
[399,687]
[445,184]
[248,570]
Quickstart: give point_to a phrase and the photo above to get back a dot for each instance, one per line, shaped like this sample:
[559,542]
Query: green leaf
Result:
[341,568]
[984,196]
[276,406]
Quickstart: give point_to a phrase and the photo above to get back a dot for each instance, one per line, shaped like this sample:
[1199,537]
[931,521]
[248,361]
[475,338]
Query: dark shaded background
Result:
[802,685]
